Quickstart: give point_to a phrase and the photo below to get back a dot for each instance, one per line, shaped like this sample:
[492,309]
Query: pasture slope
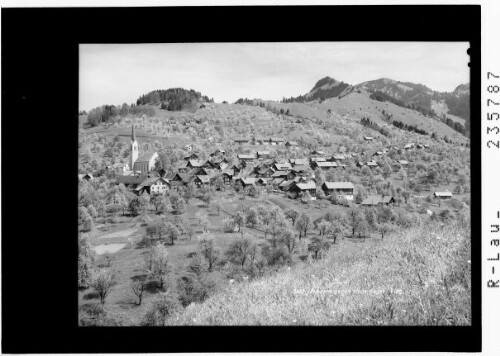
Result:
[417,277]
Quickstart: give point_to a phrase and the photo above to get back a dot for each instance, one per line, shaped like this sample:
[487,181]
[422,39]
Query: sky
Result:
[114,74]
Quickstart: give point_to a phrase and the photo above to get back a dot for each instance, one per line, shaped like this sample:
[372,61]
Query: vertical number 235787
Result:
[493,115]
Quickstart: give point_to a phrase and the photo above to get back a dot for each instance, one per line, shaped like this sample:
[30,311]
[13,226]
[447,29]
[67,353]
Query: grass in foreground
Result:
[418,277]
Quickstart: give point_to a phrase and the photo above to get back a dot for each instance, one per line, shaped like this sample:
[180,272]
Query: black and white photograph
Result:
[249,177]
[283,184]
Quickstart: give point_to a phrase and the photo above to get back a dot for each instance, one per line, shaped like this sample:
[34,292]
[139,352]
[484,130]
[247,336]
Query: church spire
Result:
[133,133]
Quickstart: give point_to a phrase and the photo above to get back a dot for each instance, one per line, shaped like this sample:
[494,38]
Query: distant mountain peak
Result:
[326,81]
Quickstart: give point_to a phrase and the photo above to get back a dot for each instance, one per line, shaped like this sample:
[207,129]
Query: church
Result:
[143,163]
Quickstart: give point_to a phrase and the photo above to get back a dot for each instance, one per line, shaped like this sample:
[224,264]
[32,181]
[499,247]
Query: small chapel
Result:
[143,163]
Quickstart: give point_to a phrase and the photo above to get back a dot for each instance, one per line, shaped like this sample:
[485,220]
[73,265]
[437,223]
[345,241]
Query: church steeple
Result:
[134,149]
[133,133]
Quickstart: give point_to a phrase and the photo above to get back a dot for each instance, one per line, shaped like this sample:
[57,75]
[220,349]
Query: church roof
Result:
[145,157]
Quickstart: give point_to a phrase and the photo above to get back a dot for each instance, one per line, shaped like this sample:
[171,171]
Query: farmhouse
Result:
[373,200]
[345,189]
[182,167]
[372,164]
[443,195]
[291,144]
[368,138]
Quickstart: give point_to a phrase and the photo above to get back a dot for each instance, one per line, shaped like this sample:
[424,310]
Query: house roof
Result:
[318,152]
[306,186]
[196,163]
[279,174]
[402,161]
[150,181]
[368,138]
[229,172]
[283,166]
[249,180]
[326,164]
[300,161]
[376,199]
[131,179]
[339,185]
[292,143]
[301,168]
[246,156]
[242,139]
[261,153]
[203,179]
[371,163]
[318,159]
[338,157]
[277,139]
[182,165]
[443,194]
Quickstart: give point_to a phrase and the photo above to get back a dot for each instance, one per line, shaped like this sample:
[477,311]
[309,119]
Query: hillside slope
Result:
[419,277]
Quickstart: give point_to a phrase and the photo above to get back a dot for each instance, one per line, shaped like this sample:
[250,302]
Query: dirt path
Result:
[121,233]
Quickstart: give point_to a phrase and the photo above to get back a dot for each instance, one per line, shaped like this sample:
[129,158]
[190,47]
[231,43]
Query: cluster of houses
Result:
[295,175]
[265,141]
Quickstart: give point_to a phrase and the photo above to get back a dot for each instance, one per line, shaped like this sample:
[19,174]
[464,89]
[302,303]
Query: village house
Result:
[217,152]
[374,200]
[246,182]
[368,138]
[282,166]
[342,189]
[265,172]
[337,158]
[192,156]
[201,180]
[303,188]
[300,170]
[299,162]
[263,154]
[244,157]
[86,177]
[182,167]
[258,140]
[318,153]
[291,144]
[287,175]
[325,166]
[276,141]
[153,185]
[194,164]
[227,176]
[241,140]
[409,146]
[131,181]
[209,165]
[443,195]
[403,162]
[317,159]
[372,164]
